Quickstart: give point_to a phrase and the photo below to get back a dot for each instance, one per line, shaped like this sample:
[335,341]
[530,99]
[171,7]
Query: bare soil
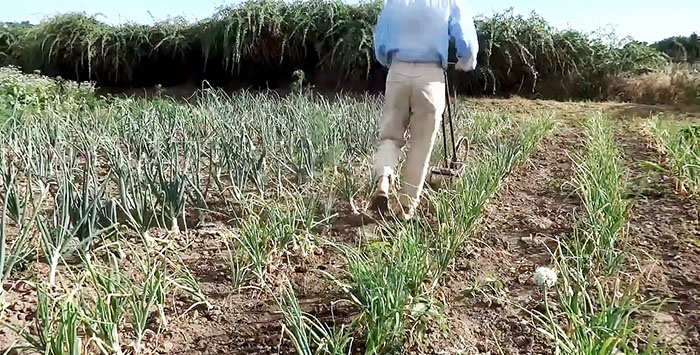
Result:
[493,277]
[664,232]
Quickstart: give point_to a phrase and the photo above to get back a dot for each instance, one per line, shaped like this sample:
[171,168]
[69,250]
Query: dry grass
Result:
[675,84]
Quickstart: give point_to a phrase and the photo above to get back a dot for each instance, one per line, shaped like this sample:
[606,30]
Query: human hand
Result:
[466,64]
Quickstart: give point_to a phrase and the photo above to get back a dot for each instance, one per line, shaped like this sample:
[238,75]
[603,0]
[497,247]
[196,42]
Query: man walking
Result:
[412,38]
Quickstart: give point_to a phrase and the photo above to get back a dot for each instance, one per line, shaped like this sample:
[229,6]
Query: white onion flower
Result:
[545,277]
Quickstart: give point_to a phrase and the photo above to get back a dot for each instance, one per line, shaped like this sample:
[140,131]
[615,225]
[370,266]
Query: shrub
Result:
[674,84]
[268,40]
[22,91]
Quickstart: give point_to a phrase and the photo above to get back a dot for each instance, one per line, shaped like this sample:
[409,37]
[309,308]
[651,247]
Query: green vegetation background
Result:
[262,43]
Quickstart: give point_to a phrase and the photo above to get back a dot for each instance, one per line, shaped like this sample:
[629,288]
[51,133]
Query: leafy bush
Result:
[10,33]
[32,91]
[681,49]
[268,40]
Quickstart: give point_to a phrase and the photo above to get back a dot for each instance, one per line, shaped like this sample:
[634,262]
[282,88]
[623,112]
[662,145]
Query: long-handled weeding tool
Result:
[447,175]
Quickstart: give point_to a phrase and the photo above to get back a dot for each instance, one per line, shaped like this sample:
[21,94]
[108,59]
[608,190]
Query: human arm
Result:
[380,31]
[462,29]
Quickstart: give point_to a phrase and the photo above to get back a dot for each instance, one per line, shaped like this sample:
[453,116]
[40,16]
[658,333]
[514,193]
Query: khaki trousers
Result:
[413,103]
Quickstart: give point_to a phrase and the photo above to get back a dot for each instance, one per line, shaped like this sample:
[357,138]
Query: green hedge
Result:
[265,41]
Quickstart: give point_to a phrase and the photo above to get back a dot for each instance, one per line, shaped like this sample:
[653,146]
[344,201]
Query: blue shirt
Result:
[420,30]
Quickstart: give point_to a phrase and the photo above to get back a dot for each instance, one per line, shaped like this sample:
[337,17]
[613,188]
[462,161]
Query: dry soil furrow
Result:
[496,275]
[662,224]
[248,322]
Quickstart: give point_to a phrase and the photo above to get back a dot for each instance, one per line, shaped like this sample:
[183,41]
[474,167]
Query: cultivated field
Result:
[237,224]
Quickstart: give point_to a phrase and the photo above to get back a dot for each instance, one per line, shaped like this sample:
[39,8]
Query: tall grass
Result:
[10,40]
[674,84]
[273,38]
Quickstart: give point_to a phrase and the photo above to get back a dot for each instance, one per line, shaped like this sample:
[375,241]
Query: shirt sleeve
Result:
[462,28]
[380,39]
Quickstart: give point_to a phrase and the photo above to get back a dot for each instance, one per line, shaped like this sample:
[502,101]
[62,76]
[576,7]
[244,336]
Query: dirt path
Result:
[662,224]
[496,274]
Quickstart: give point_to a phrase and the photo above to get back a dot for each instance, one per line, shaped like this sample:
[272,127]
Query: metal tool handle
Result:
[448,105]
